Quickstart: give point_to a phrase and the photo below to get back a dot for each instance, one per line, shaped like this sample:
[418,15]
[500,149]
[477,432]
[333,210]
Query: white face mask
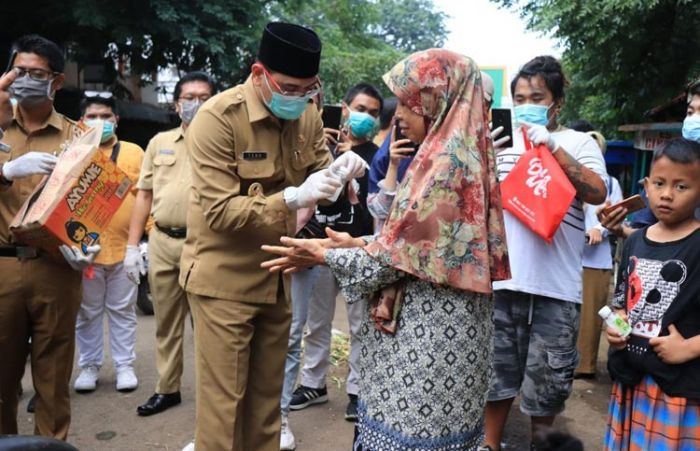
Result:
[188,108]
[29,92]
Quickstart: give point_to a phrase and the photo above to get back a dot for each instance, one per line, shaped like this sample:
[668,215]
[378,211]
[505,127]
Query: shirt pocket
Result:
[255,169]
[164,159]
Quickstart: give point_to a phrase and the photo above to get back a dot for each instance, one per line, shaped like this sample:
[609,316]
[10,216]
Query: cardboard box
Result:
[76,202]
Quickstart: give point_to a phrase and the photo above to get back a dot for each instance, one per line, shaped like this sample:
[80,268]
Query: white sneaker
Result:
[87,381]
[126,379]
[189,447]
[287,438]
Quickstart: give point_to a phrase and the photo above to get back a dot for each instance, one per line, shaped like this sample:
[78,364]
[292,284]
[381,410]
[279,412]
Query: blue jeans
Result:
[302,288]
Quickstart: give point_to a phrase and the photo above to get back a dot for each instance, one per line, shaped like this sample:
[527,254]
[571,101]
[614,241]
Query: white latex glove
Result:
[318,186]
[539,134]
[133,264]
[31,163]
[352,163]
[75,257]
[498,143]
[143,247]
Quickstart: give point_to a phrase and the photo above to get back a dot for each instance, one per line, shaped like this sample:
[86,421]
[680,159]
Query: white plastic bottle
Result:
[614,321]
[339,173]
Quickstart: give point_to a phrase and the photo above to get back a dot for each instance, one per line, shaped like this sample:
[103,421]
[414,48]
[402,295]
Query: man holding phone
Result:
[315,291]
[613,219]
[597,271]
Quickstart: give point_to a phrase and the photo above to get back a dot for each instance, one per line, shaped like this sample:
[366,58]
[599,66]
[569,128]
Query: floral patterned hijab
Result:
[446,223]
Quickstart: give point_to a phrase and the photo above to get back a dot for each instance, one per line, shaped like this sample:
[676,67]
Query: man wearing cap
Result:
[258,154]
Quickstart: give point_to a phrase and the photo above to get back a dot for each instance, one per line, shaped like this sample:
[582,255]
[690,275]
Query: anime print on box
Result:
[76,202]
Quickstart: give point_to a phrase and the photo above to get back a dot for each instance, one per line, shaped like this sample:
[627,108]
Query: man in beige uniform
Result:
[31,303]
[257,155]
[164,188]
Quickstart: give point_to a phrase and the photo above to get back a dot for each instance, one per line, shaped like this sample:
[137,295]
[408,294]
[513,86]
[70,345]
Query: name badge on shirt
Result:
[166,152]
[254,156]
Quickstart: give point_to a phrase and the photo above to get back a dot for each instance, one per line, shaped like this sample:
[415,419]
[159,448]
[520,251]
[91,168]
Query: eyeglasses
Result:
[188,98]
[34,74]
[100,94]
[310,92]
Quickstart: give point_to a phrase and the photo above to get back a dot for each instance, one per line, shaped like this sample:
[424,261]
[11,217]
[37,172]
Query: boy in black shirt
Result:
[655,402]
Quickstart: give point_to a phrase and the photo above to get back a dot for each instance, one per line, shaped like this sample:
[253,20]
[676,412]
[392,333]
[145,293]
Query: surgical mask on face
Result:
[30,92]
[691,128]
[362,125]
[188,108]
[107,128]
[286,107]
[532,114]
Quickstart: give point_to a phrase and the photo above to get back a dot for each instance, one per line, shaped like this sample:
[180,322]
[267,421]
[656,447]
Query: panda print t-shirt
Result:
[658,285]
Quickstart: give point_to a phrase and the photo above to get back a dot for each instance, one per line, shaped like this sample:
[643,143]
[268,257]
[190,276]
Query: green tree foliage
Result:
[622,56]
[363,39]
[220,36]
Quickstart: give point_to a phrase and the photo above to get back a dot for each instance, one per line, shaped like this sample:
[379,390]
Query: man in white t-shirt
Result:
[537,311]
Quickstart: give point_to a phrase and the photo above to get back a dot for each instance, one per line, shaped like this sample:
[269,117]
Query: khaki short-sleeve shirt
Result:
[242,158]
[53,135]
[166,171]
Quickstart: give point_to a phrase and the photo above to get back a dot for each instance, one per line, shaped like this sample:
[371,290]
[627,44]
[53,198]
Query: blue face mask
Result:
[285,107]
[107,128]
[532,114]
[691,128]
[362,125]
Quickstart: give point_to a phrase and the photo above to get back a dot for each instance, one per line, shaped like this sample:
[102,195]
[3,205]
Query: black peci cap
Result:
[290,49]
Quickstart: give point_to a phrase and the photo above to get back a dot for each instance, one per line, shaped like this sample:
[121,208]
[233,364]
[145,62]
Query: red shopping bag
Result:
[537,191]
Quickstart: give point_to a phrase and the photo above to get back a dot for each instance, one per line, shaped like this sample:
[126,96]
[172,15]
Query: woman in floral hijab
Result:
[427,341]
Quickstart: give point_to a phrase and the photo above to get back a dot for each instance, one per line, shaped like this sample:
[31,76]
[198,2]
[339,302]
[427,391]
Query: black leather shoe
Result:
[31,404]
[158,403]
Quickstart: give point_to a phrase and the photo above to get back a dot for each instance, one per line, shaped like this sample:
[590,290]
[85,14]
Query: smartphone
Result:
[398,135]
[632,204]
[331,116]
[500,117]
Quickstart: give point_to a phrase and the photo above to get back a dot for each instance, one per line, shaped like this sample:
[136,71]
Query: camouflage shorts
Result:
[535,351]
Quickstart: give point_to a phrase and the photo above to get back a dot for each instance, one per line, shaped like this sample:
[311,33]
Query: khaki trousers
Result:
[170,307]
[240,351]
[39,299]
[596,286]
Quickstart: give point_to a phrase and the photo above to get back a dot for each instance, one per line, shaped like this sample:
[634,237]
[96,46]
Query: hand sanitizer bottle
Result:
[614,321]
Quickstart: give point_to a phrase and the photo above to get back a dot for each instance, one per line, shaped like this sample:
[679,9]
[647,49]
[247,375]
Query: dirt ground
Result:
[106,420]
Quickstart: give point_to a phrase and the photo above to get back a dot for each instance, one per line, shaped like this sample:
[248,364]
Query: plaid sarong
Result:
[644,418]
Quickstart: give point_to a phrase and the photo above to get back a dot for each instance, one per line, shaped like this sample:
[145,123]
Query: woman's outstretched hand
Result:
[296,254]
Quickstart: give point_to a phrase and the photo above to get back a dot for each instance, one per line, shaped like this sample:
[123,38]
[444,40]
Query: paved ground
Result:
[106,420]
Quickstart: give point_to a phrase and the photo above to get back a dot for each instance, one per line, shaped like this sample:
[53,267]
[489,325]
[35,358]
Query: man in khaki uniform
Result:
[258,155]
[164,188]
[31,303]
[6,113]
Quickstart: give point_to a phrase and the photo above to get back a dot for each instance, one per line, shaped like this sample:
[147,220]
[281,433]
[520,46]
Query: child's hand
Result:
[672,349]
[614,339]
